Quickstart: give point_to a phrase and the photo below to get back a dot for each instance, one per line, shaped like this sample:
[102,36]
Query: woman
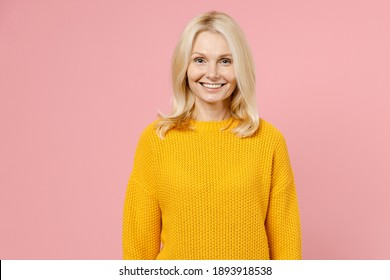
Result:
[212,180]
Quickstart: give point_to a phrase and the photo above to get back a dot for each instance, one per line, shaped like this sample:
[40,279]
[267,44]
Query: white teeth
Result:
[212,85]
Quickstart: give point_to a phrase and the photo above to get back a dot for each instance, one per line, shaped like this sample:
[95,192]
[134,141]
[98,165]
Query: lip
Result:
[212,89]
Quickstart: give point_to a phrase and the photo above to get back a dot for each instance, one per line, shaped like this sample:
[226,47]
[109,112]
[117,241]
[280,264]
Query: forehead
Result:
[208,42]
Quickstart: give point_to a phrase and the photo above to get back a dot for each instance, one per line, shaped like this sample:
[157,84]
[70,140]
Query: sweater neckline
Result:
[212,125]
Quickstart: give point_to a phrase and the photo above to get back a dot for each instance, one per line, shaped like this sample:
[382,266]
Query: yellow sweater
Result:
[208,194]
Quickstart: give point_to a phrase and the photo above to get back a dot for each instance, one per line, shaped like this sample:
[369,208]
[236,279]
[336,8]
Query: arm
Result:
[141,215]
[283,222]
[141,224]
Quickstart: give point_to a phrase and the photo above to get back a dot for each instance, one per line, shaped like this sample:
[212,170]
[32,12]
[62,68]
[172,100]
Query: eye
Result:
[226,61]
[199,60]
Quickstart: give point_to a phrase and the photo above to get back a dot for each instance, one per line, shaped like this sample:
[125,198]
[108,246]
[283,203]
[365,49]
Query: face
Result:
[210,72]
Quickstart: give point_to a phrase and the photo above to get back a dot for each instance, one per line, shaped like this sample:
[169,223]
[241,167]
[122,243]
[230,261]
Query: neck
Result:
[211,113]
[211,116]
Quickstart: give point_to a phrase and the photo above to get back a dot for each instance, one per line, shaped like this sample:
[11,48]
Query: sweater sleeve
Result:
[283,222]
[141,215]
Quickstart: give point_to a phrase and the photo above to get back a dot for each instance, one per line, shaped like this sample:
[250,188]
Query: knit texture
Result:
[208,194]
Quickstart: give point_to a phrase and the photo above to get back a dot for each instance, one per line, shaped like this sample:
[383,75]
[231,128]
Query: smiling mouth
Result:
[212,86]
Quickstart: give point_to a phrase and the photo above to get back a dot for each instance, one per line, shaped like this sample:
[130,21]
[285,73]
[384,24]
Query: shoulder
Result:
[268,129]
[149,134]
[274,136]
[147,140]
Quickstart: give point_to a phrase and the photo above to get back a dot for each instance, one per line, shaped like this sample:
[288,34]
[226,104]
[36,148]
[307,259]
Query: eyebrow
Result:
[222,55]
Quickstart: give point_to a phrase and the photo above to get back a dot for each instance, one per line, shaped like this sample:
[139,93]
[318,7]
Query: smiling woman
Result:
[218,34]
[212,180]
[211,76]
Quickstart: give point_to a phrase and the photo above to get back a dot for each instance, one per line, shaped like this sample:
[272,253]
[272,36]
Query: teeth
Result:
[212,85]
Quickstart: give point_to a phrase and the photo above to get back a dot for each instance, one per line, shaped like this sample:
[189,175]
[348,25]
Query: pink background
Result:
[79,80]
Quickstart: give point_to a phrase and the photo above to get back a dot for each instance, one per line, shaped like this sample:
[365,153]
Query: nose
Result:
[213,73]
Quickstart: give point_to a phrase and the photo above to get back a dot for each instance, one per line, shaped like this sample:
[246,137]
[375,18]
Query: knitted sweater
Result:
[208,194]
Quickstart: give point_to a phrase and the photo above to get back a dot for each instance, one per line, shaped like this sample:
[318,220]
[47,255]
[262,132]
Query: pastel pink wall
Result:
[79,80]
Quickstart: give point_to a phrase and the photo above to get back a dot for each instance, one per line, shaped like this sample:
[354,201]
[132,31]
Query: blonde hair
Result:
[243,99]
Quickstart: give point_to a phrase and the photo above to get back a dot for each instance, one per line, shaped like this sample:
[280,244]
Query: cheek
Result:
[228,74]
[231,78]
[194,74]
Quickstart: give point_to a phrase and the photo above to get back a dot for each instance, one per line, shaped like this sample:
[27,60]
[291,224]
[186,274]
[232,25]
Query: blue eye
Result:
[198,60]
[226,61]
